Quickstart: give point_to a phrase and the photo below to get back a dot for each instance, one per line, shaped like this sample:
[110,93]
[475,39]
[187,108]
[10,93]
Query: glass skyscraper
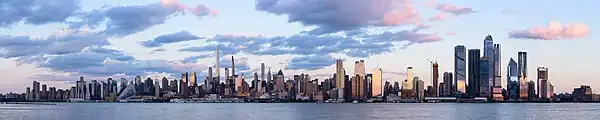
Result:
[488,52]
[512,80]
[523,90]
[497,71]
[460,69]
[484,73]
[473,86]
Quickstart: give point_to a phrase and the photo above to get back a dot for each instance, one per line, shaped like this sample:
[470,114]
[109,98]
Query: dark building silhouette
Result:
[473,68]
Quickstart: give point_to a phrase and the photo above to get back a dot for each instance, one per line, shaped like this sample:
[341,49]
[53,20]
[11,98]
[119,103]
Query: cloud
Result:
[456,10]
[440,17]
[363,45]
[451,33]
[96,61]
[36,12]
[126,20]
[241,63]
[311,62]
[63,42]
[330,16]
[193,59]
[170,38]
[554,31]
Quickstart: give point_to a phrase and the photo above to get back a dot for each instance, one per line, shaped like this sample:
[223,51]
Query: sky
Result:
[57,41]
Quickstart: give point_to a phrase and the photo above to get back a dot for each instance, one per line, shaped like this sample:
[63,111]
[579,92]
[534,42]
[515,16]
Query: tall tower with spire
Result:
[217,66]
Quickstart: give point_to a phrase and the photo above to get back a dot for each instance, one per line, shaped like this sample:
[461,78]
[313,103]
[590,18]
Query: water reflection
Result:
[299,111]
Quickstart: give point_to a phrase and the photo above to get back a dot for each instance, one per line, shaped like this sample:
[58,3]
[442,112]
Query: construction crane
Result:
[434,77]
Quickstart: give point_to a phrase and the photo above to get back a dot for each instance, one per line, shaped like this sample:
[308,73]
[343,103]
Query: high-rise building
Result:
[279,82]
[217,65]
[447,91]
[474,66]
[484,73]
[489,52]
[419,88]
[523,90]
[460,69]
[208,82]
[193,79]
[262,76]
[156,89]
[512,80]
[226,73]
[359,68]
[542,74]
[543,89]
[497,70]
[435,78]
[232,66]
[36,90]
[532,94]
[138,80]
[377,82]
[340,74]
[184,83]
[165,83]
[368,86]
[409,76]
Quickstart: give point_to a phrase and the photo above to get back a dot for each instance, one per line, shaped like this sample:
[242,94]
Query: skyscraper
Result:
[232,66]
[473,87]
[447,84]
[226,73]
[377,81]
[262,77]
[460,69]
[489,53]
[542,74]
[208,82]
[193,78]
[512,80]
[138,80]
[497,70]
[339,82]
[409,76]
[484,73]
[217,66]
[419,88]
[435,78]
[359,68]
[523,90]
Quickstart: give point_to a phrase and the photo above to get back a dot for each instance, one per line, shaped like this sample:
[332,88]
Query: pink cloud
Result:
[198,10]
[456,10]
[554,31]
[440,17]
[405,14]
[431,3]
[451,33]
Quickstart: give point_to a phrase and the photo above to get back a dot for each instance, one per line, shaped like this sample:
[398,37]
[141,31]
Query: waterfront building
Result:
[376,83]
[447,85]
[512,80]
[460,69]
[435,78]
[339,82]
[484,73]
[474,75]
[523,85]
[542,74]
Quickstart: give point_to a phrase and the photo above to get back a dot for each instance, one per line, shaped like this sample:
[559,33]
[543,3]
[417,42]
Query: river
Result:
[301,111]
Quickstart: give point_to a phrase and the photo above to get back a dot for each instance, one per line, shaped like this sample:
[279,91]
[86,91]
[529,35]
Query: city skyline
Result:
[189,48]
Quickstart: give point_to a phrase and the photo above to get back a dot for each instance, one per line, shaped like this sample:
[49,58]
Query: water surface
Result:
[300,111]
